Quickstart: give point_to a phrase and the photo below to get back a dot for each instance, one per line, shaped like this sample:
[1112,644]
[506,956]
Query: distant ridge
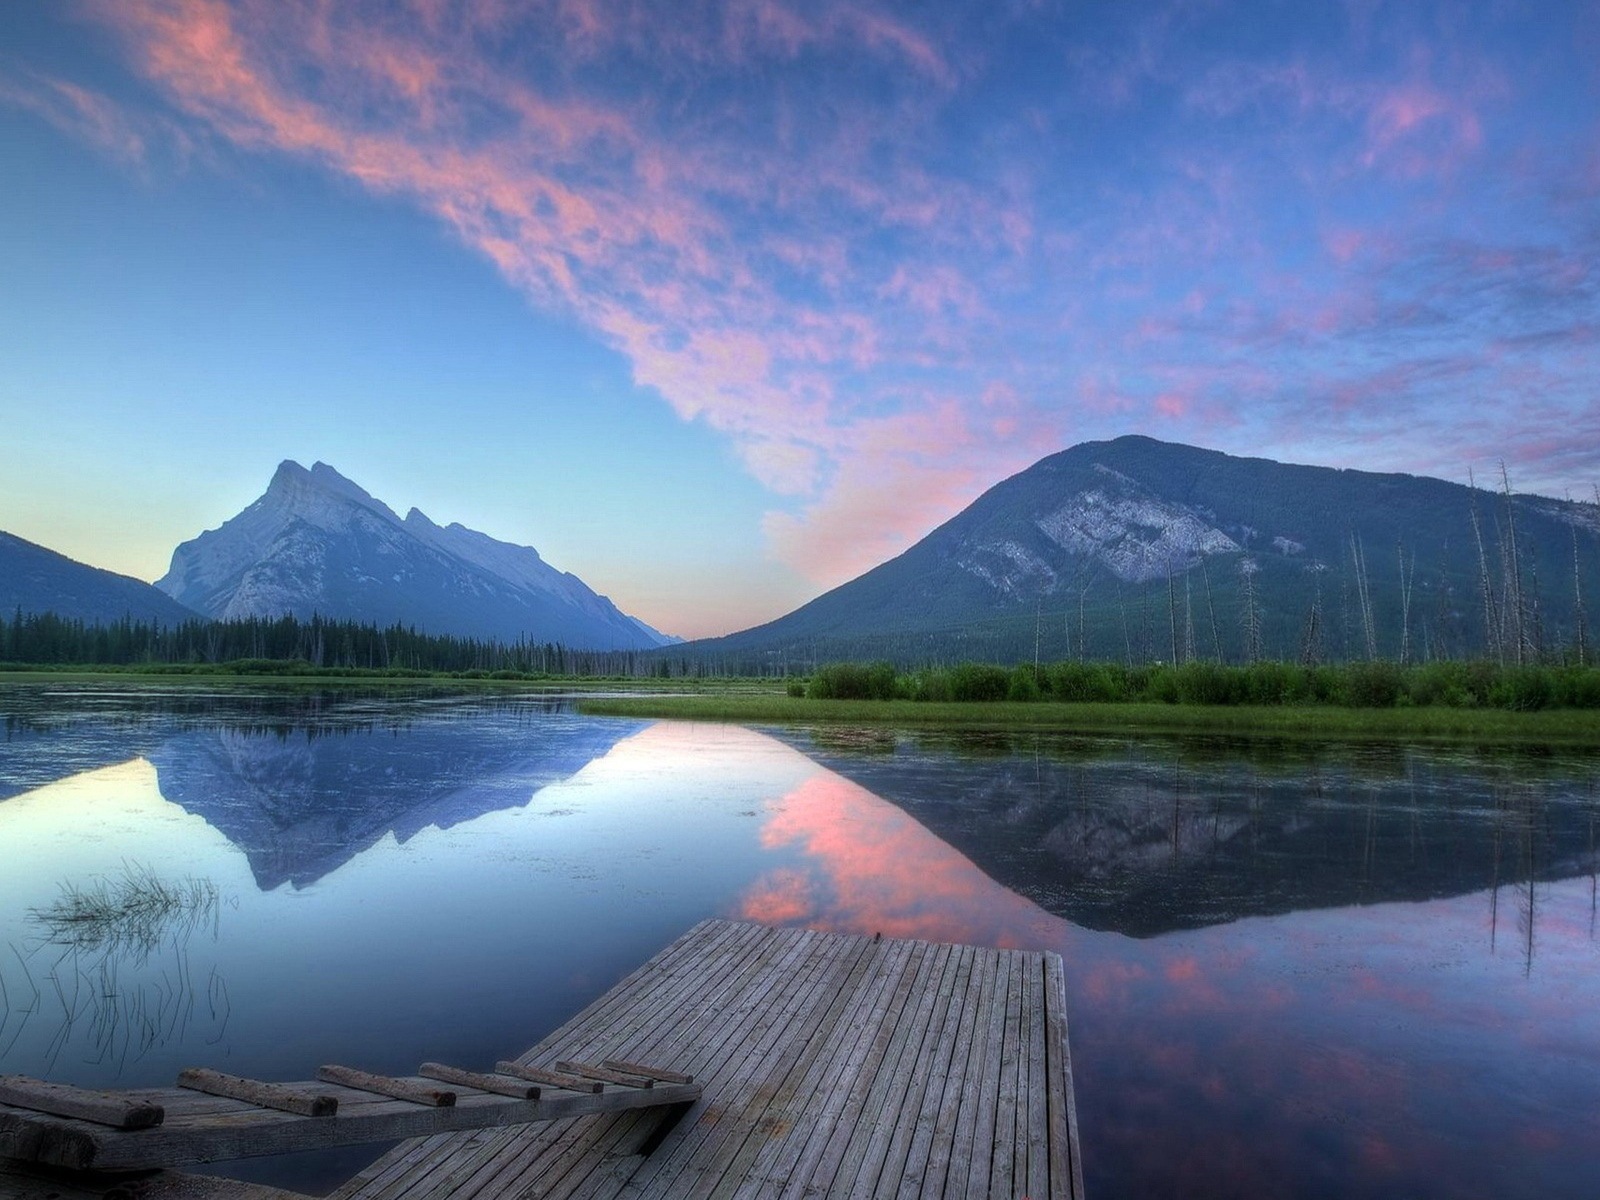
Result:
[36,580]
[1141,550]
[315,542]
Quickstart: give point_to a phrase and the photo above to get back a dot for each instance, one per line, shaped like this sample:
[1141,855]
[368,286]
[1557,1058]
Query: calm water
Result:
[1292,970]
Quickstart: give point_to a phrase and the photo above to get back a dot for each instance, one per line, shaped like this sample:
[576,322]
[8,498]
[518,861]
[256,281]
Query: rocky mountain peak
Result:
[316,542]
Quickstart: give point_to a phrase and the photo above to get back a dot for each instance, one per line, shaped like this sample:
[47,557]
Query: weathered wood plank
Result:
[1038,1087]
[768,1005]
[411,1170]
[572,1083]
[119,1110]
[573,1165]
[772,1110]
[1063,1114]
[660,1042]
[729,953]
[828,1064]
[603,1074]
[252,1131]
[629,1068]
[909,1078]
[254,1091]
[829,1163]
[866,1138]
[1002,1170]
[982,1147]
[824,1089]
[552,1172]
[921,1172]
[384,1085]
[950,1152]
[500,1085]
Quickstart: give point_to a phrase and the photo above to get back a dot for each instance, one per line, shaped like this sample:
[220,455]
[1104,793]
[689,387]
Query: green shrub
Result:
[1523,689]
[1376,684]
[930,685]
[1024,685]
[1208,683]
[1086,683]
[978,681]
[1577,687]
[853,681]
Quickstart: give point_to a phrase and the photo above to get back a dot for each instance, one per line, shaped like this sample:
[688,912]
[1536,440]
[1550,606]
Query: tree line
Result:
[318,645]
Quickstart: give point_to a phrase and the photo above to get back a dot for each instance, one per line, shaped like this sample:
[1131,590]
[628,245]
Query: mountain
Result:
[1138,549]
[317,543]
[37,580]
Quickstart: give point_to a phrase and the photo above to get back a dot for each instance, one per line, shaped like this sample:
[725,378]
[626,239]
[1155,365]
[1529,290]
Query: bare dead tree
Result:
[1369,630]
[1579,618]
[1406,579]
[1514,600]
[1251,616]
[1494,645]
[1535,613]
[1127,642]
[1038,613]
[1083,638]
[1172,614]
[1211,609]
[1188,619]
[1311,638]
[1147,638]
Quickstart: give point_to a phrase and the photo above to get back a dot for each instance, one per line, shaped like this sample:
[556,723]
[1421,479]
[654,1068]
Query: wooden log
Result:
[118,1110]
[605,1076]
[253,1091]
[571,1083]
[249,1130]
[499,1084]
[385,1085]
[657,1073]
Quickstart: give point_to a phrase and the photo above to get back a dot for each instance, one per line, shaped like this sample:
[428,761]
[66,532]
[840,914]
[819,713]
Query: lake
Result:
[1293,969]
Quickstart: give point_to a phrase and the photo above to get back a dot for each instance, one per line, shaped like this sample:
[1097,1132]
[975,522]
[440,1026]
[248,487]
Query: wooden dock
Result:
[830,1066]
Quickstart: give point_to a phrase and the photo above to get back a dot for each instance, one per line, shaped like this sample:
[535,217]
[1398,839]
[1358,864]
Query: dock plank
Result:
[731,967]
[823,1091]
[830,1064]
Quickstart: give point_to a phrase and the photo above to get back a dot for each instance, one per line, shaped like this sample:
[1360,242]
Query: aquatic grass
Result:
[131,915]
[121,969]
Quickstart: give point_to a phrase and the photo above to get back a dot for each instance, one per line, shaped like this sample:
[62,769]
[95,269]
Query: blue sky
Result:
[718,304]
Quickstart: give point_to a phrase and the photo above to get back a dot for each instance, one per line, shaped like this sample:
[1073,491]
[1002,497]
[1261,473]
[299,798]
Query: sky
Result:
[718,303]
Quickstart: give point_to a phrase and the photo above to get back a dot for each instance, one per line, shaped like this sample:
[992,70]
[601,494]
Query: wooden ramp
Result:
[831,1066]
[211,1116]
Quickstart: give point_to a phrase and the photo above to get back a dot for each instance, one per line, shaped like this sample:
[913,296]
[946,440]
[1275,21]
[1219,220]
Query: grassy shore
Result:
[1407,724]
[753,701]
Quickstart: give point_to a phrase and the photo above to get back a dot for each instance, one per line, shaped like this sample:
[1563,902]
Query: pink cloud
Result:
[939,455]
[1172,405]
[594,205]
[1418,129]
[879,318]
[80,113]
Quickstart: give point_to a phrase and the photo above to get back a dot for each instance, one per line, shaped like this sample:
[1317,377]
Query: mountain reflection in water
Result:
[1292,970]
[1148,836]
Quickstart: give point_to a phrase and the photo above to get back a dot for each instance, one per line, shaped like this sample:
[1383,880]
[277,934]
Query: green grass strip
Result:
[1409,724]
